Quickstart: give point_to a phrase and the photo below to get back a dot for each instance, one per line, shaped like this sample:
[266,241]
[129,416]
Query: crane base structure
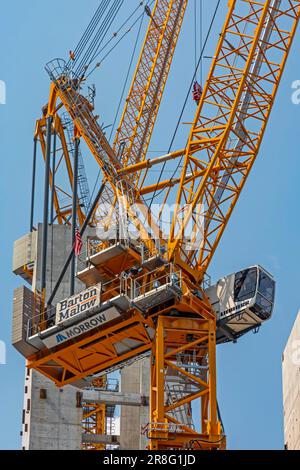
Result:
[157,314]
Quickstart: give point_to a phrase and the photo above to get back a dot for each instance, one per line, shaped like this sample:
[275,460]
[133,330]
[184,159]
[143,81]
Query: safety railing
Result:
[69,84]
[136,288]
[92,247]
[47,318]
[41,322]
[95,245]
[175,393]
[206,283]
[158,251]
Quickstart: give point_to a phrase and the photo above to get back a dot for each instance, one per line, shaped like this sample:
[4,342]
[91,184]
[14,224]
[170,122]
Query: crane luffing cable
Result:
[88,32]
[116,34]
[99,37]
[85,54]
[123,92]
[93,32]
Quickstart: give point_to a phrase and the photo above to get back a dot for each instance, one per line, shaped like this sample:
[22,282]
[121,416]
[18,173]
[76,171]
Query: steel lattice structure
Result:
[223,144]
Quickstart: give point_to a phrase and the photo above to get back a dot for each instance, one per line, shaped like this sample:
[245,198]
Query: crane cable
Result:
[156,193]
[141,17]
[117,8]
[99,37]
[89,31]
[117,33]
[94,37]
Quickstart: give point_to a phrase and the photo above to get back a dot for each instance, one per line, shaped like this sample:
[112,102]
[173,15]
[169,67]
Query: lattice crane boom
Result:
[230,122]
[146,91]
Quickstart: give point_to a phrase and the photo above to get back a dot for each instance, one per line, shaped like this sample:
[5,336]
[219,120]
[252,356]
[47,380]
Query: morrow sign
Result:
[82,327]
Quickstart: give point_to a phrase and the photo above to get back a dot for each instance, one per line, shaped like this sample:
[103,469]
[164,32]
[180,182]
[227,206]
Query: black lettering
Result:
[70,333]
[64,315]
[89,305]
[101,318]
[63,305]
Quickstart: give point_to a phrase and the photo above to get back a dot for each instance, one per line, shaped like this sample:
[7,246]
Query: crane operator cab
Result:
[242,302]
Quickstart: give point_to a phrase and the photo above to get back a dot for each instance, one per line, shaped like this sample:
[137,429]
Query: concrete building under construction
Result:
[291,388]
[71,417]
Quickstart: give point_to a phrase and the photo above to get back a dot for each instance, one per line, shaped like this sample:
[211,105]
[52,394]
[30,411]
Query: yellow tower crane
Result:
[149,289]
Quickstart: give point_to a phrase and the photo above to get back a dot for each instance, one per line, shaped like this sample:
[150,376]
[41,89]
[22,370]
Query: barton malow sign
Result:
[79,303]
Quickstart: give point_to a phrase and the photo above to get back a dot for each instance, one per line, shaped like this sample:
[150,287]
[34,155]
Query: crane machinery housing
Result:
[145,287]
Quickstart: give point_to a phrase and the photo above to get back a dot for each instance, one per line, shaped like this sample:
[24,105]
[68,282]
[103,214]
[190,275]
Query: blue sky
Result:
[264,228]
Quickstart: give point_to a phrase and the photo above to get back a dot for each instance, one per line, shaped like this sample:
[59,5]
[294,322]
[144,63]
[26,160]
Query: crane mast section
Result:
[146,91]
[62,208]
[230,123]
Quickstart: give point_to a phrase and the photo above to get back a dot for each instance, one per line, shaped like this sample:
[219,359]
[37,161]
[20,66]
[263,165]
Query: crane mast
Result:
[160,307]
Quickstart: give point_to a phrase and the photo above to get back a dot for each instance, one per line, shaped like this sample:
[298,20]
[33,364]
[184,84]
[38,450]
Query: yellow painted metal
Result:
[94,417]
[231,120]
[223,144]
[191,338]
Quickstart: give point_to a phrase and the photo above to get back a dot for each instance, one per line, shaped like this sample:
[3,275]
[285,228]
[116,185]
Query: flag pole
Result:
[74,214]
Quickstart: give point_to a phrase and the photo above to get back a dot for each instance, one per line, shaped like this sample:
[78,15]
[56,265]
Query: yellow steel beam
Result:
[230,121]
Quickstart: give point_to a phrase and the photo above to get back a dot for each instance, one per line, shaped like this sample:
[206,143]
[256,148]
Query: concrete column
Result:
[51,416]
[135,379]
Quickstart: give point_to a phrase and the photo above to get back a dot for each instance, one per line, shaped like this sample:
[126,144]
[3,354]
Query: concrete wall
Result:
[53,422]
[291,388]
[59,247]
[135,379]
[51,416]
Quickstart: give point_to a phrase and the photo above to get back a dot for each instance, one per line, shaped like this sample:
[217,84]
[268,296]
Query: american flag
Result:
[78,242]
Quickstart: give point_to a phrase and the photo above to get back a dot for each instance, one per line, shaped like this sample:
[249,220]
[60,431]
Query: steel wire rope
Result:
[118,42]
[90,38]
[99,37]
[95,54]
[124,89]
[141,3]
[89,31]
